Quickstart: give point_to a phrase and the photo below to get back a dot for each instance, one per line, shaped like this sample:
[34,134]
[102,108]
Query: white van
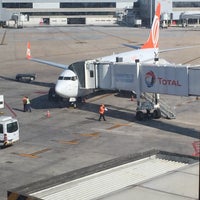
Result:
[9,131]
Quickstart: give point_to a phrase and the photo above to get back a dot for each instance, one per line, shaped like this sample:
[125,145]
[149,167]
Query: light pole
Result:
[150,22]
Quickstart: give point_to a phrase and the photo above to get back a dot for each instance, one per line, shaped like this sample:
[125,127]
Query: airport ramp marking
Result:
[95,134]
[34,154]
[27,155]
[117,126]
[69,142]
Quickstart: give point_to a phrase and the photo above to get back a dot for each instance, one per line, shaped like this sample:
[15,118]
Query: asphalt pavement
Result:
[69,139]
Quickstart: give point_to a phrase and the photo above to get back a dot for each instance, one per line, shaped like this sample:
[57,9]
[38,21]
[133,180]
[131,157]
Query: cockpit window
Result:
[60,78]
[67,78]
[72,78]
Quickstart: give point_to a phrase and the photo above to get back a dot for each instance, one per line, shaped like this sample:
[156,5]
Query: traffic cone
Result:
[48,114]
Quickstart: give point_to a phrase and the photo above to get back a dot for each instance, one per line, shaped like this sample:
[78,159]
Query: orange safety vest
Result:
[24,100]
[101,109]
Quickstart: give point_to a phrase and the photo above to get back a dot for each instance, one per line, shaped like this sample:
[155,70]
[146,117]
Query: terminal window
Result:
[88,5]
[190,4]
[17,5]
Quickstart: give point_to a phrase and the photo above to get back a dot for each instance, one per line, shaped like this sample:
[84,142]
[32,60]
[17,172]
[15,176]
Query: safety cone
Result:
[48,114]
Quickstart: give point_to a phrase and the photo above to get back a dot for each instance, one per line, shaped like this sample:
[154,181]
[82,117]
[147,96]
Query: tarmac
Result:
[69,139]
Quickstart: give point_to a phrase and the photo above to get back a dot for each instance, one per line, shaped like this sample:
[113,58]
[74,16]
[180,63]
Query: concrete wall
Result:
[101,20]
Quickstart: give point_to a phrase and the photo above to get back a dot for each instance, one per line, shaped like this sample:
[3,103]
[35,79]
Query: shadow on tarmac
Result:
[42,102]
[44,84]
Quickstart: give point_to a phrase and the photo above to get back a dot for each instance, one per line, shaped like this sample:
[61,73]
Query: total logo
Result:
[150,80]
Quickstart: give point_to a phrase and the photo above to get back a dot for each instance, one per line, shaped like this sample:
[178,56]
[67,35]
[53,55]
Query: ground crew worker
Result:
[28,104]
[24,100]
[102,112]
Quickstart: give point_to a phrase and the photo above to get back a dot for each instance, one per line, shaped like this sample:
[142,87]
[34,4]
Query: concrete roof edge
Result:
[85,171]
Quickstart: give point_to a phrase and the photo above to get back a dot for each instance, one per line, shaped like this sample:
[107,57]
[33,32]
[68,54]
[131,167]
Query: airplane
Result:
[68,83]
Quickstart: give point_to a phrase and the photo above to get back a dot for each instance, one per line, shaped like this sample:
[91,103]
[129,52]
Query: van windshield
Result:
[12,127]
[1,128]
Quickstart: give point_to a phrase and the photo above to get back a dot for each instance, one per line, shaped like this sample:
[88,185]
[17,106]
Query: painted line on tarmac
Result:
[27,155]
[95,134]
[34,154]
[117,126]
[69,142]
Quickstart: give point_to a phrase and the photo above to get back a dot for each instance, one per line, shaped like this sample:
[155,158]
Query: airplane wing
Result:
[28,56]
[163,50]
[178,48]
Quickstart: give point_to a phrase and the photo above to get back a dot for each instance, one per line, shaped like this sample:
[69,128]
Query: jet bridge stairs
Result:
[166,111]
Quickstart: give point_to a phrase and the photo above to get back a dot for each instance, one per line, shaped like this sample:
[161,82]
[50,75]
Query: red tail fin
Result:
[152,41]
[28,51]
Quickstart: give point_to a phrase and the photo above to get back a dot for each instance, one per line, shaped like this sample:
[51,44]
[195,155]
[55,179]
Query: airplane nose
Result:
[66,89]
[60,89]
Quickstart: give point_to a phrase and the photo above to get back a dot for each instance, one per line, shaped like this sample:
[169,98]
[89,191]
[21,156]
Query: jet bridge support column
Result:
[144,108]
[156,59]
[139,113]
[157,112]
[138,90]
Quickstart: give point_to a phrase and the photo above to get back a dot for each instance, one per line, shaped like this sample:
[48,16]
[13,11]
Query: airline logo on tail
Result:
[152,41]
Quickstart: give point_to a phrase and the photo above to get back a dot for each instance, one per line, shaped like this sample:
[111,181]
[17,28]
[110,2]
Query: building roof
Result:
[157,175]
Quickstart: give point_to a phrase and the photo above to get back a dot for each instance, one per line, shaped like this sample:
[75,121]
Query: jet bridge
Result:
[179,80]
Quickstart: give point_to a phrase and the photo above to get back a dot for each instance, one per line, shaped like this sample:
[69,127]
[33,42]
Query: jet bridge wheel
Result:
[157,114]
[139,115]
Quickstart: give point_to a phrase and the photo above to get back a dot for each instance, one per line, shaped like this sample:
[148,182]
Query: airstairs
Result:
[166,110]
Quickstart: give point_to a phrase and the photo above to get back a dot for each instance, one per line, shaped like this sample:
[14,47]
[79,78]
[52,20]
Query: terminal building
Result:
[96,12]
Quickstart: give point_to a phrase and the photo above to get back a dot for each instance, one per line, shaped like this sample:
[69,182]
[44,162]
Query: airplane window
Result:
[91,73]
[60,78]
[67,78]
[74,78]
[1,128]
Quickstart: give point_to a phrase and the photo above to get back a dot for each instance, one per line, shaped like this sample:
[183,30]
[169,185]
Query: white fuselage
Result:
[67,85]
[144,55]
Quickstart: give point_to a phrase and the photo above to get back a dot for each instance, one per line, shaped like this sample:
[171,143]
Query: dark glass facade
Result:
[89,5]
[183,4]
[66,13]
[17,5]
[65,5]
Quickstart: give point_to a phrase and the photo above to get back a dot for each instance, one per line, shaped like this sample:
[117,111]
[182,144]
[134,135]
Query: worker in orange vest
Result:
[102,110]
[24,100]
